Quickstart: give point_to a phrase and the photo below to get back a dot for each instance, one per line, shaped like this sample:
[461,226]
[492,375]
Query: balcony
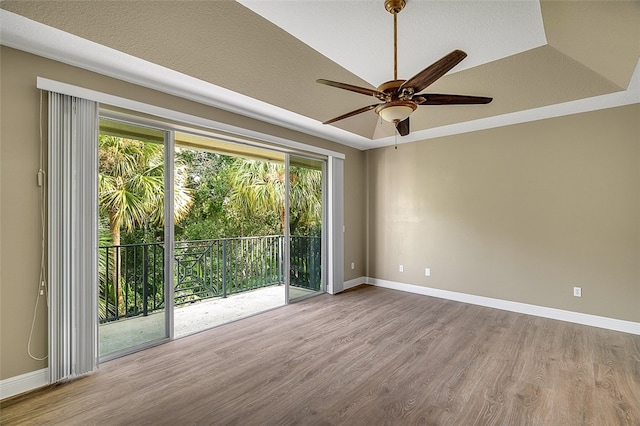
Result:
[227,278]
[132,275]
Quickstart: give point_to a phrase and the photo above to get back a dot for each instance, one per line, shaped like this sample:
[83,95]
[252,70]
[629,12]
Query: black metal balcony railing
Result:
[132,276]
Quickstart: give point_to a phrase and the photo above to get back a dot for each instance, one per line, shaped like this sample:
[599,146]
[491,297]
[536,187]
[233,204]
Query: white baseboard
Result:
[23,383]
[523,308]
[354,282]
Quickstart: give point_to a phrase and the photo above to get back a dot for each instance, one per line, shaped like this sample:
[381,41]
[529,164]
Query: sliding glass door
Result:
[228,249]
[132,298]
[306,213]
[196,231]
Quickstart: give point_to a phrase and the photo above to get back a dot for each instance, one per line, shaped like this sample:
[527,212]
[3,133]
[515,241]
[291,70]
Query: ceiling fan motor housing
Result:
[392,92]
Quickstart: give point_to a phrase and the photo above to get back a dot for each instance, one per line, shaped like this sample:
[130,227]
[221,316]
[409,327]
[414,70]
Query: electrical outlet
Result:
[353,265]
[427,272]
[577,291]
[401,268]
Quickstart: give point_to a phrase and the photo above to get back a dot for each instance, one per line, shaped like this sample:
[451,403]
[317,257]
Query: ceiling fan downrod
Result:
[394,7]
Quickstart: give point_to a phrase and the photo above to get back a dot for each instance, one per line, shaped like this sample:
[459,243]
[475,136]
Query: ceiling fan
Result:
[401,97]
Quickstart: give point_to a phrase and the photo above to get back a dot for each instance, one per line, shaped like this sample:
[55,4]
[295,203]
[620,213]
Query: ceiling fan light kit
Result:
[395,111]
[401,97]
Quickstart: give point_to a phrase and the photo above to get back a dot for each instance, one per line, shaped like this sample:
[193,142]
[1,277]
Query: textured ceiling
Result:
[358,35]
[527,55]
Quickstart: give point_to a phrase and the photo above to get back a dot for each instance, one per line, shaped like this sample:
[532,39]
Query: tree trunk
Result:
[294,224]
[282,220]
[117,261]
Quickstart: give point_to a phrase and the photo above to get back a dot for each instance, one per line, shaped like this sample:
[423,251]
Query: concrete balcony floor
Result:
[119,337]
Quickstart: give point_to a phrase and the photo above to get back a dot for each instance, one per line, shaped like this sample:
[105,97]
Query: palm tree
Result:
[131,188]
[258,187]
[305,198]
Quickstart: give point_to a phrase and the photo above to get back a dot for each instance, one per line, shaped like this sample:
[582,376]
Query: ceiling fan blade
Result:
[403,127]
[350,87]
[350,114]
[439,99]
[429,75]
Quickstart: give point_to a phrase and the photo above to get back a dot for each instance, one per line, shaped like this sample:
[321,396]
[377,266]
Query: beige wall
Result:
[522,213]
[354,217]
[19,217]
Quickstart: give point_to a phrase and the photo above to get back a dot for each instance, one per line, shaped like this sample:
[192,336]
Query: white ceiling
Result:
[358,35]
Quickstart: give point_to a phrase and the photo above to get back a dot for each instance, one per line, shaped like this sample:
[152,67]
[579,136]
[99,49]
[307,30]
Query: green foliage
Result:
[131,184]
[258,191]
[305,201]
[131,194]
[215,196]
[212,179]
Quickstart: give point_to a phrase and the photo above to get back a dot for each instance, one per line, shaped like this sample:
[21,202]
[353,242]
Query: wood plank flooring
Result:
[369,356]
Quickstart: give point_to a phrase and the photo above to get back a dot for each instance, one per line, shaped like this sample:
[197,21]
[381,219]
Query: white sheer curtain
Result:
[72,248]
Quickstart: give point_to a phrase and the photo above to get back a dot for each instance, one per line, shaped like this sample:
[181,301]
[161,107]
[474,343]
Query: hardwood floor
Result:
[368,356]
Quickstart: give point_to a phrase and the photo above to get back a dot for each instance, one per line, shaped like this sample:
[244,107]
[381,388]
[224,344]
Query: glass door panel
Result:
[131,293]
[306,183]
[228,232]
